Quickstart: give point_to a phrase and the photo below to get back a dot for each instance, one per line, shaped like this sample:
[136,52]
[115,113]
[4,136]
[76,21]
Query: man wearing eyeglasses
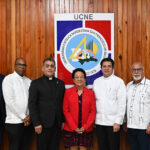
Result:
[45,106]
[138,109]
[110,94]
[15,91]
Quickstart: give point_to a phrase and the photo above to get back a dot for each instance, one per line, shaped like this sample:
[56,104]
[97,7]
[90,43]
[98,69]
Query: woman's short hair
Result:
[80,70]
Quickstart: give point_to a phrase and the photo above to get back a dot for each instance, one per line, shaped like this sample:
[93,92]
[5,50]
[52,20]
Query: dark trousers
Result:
[1,134]
[138,139]
[49,138]
[19,136]
[107,139]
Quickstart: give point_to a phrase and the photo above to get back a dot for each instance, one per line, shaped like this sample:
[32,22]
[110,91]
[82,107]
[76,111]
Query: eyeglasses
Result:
[137,69]
[21,65]
[52,66]
[82,77]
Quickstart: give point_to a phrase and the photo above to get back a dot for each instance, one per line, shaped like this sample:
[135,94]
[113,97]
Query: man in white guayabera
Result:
[138,109]
[15,88]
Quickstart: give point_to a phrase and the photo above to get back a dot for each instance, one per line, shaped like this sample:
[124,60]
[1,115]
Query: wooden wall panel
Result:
[27,36]
[27,30]
[3,37]
[147,54]
[120,38]
[124,38]
[129,40]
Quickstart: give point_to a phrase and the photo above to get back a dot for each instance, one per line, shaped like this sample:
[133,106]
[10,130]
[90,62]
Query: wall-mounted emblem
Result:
[82,41]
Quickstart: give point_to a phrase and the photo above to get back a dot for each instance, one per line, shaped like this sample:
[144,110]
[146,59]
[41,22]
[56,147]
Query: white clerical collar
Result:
[50,78]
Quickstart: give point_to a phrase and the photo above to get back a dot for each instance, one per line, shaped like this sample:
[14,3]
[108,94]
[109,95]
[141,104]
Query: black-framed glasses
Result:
[51,66]
[21,65]
[137,69]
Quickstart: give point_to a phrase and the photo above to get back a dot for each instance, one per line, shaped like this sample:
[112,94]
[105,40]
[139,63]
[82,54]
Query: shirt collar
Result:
[17,75]
[47,78]
[107,78]
[142,81]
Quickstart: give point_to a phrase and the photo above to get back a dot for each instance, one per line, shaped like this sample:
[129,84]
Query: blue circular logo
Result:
[88,55]
[83,48]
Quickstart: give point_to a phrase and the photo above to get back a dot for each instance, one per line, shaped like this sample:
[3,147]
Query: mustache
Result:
[137,77]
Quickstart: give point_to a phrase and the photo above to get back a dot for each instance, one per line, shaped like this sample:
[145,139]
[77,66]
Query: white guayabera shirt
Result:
[15,91]
[110,94]
[138,104]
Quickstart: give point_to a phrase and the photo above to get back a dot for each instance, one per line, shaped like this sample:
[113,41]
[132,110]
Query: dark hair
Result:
[80,70]
[48,59]
[107,59]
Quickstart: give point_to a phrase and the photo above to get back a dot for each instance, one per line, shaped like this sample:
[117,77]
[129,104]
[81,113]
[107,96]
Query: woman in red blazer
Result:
[79,111]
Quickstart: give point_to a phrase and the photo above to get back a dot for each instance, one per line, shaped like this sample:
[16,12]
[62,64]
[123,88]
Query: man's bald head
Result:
[138,64]
[19,59]
[20,66]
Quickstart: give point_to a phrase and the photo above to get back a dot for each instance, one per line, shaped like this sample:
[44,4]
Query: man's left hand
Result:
[116,127]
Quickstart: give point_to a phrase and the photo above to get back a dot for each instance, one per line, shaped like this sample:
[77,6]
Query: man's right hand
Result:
[116,127]
[38,129]
[27,120]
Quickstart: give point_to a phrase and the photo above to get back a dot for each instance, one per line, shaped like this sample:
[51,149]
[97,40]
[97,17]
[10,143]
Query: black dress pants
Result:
[1,134]
[49,138]
[19,136]
[107,139]
[138,139]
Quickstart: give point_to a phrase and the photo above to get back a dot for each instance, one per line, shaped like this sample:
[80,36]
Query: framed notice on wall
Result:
[82,40]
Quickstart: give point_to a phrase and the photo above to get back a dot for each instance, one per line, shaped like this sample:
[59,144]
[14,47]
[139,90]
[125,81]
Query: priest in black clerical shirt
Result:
[45,107]
[2,111]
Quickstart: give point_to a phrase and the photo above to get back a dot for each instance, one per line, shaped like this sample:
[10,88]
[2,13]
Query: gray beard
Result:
[137,78]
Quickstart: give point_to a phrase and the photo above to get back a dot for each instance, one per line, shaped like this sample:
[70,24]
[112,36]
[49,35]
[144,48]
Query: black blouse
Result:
[80,111]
